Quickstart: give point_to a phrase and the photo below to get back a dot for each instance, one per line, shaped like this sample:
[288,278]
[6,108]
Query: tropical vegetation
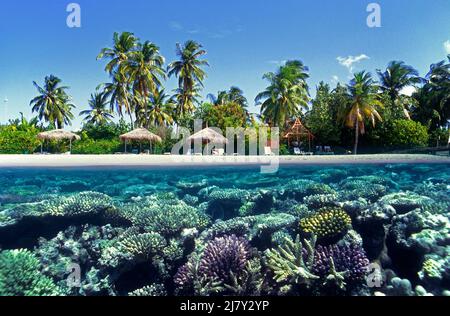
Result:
[368,114]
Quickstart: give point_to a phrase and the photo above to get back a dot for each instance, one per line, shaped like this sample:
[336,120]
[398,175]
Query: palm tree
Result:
[124,43]
[434,97]
[53,103]
[98,112]
[159,111]
[235,95]
[120,96]
[285,95]
[395,78]
[145,69]
[188,70]
[362,106]
[187,98]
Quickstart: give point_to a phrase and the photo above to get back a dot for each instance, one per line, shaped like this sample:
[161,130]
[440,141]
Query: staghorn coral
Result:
[328,222]
[250,282]
[289,264]
[20,275]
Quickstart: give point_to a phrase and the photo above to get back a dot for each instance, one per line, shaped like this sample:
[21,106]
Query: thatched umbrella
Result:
[140,134]
[58,135]
[208,135]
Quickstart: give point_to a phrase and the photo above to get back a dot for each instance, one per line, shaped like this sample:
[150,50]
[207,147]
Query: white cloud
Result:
[335,79]
[447,46]
[277,62]
[349,61]
[408,91]
[176,26]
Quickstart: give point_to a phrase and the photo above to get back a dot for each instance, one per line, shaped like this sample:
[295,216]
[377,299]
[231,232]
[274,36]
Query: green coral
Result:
[288,264]
[251,282]
[328,222]
[78,204]
[20,275]
[167,217]
[141,245]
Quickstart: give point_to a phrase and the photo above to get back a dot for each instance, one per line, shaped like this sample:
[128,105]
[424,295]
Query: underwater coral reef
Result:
[313,231]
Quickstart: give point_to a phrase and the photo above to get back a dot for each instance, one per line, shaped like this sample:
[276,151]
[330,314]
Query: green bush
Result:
[88,146]
[406,133]
[439,137]
[14,141]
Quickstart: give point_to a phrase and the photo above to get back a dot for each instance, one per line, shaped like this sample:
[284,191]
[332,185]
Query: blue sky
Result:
[244,39]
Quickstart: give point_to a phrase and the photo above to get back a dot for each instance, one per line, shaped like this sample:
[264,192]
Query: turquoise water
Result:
[226,231]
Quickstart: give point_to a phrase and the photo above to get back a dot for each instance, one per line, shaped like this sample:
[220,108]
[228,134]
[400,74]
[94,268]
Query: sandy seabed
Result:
[174,160]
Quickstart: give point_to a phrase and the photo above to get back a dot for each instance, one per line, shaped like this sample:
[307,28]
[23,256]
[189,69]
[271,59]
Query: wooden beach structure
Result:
[140,135]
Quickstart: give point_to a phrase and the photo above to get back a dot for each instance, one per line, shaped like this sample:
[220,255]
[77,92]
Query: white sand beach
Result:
[49,161]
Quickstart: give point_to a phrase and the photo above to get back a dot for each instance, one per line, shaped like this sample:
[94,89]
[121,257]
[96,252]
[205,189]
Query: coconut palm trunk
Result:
[355,149]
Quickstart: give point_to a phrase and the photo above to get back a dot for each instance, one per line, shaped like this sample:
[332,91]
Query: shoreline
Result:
[68,161]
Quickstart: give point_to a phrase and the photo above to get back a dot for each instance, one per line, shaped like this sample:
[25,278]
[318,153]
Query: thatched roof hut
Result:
[208,135]
[58,135]
[140,135]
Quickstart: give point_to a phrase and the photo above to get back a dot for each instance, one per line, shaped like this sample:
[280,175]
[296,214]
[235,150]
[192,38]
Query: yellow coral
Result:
[326,223]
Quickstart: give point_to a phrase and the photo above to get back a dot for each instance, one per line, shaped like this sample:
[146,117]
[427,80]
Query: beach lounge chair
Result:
[328,151]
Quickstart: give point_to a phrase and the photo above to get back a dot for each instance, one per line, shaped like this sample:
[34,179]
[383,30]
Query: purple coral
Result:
[221,257]
[351,258]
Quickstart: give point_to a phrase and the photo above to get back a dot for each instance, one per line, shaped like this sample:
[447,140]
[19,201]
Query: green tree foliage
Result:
[53,103]
[106,130]
[321,120]
[136,71]
[286,94]
[188,70]
[19,137]
[433,108]
[405,134]
[364,104]
[89,146]
[230,114]
[98,112]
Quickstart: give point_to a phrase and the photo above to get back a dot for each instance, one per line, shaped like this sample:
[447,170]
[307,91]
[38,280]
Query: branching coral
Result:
[223,260]
[150,290]
[288,261]
[78,204]
[251,281]
[328,222]
[141,245]
[20,275]
[167,217]
[223,256]
[341,264]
